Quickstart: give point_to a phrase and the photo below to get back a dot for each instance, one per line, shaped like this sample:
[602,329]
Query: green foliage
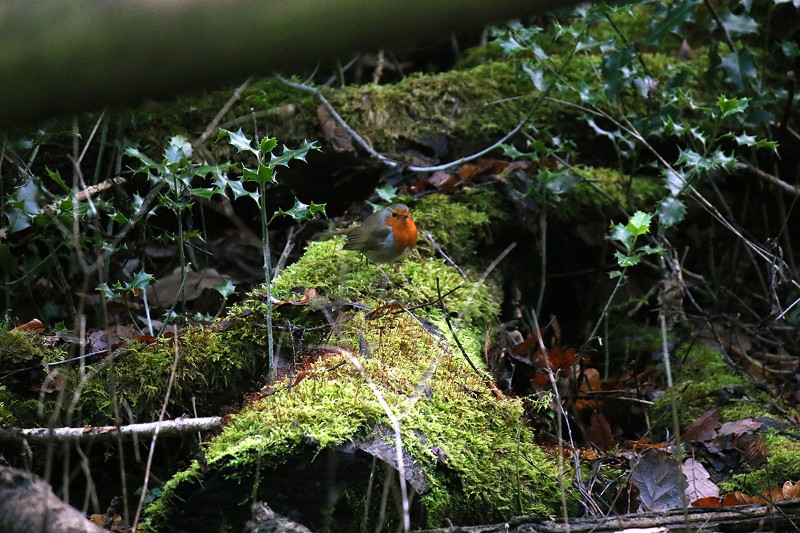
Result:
[626,234]
[265,171]
[662,96]
[262,176]
[140,282]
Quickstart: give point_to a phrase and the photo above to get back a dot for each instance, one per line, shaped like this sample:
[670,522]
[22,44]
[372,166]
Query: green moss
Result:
[19,346]
[492,468]
[704,380]
[783,464]
[467,104]
[6,415]
[489,467]
[160,509]
[456,226]
[211,360]
[606,188]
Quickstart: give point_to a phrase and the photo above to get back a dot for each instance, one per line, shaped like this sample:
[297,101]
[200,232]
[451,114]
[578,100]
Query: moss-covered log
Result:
[313,436]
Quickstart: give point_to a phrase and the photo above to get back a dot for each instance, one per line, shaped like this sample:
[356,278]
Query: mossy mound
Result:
[468,454]
[477,459]
[212,360]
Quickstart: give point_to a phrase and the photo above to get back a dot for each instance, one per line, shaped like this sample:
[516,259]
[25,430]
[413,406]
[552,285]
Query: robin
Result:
[385,236]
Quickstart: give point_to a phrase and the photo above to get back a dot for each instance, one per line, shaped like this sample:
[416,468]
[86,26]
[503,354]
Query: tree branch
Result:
[178,426]
[97,53]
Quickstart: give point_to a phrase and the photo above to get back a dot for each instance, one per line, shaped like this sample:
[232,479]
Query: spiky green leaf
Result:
[300,211]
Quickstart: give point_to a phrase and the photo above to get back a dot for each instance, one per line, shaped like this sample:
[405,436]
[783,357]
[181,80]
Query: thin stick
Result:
[98,433]
[453,331]
[439,250]
[486,273]
[382,158]
[398,439]
[155,432]
[285,254]
[769,178]
[559,427]
[237,94]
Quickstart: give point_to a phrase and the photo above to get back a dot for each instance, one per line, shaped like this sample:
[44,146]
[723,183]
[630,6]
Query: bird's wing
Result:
[360,239]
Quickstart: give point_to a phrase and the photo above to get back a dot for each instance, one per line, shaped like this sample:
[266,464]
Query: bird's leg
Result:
[383,274]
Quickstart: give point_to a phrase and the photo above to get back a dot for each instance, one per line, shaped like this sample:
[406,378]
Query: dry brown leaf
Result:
[704,428]
[599,432]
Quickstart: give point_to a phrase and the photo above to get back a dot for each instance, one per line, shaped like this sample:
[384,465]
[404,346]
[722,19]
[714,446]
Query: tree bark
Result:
[60,57]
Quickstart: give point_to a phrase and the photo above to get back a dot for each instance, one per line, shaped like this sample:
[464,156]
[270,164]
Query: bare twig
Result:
[156,431]
[237,94]
[327,105]
[93,433]
[439,250]
[285,254]
[482,375]
[398,439]
[769,178]
[560,422]
[488,271]
[382,158]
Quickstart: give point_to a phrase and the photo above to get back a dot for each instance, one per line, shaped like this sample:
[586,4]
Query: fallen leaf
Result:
[442,180]
[659,479]
[704,428]
[709,501]
[599,432]
[739,427]
[165,292]
[698,481]
[755,452]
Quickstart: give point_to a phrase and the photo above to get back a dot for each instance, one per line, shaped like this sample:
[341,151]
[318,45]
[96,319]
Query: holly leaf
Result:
[55,175]
[639,224]
[262,175]
[677,13]
[226,288]
[204,192]
[738,25]
[625,260]
[731,106]
[739,68]
[237,139]
[177,150]
[300,211]
[141,280]
[387,193]
[621,233]
[268,144]
[671,212]
[288,154]
[616,71]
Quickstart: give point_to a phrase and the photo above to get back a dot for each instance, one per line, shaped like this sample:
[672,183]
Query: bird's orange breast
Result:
[404,232]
